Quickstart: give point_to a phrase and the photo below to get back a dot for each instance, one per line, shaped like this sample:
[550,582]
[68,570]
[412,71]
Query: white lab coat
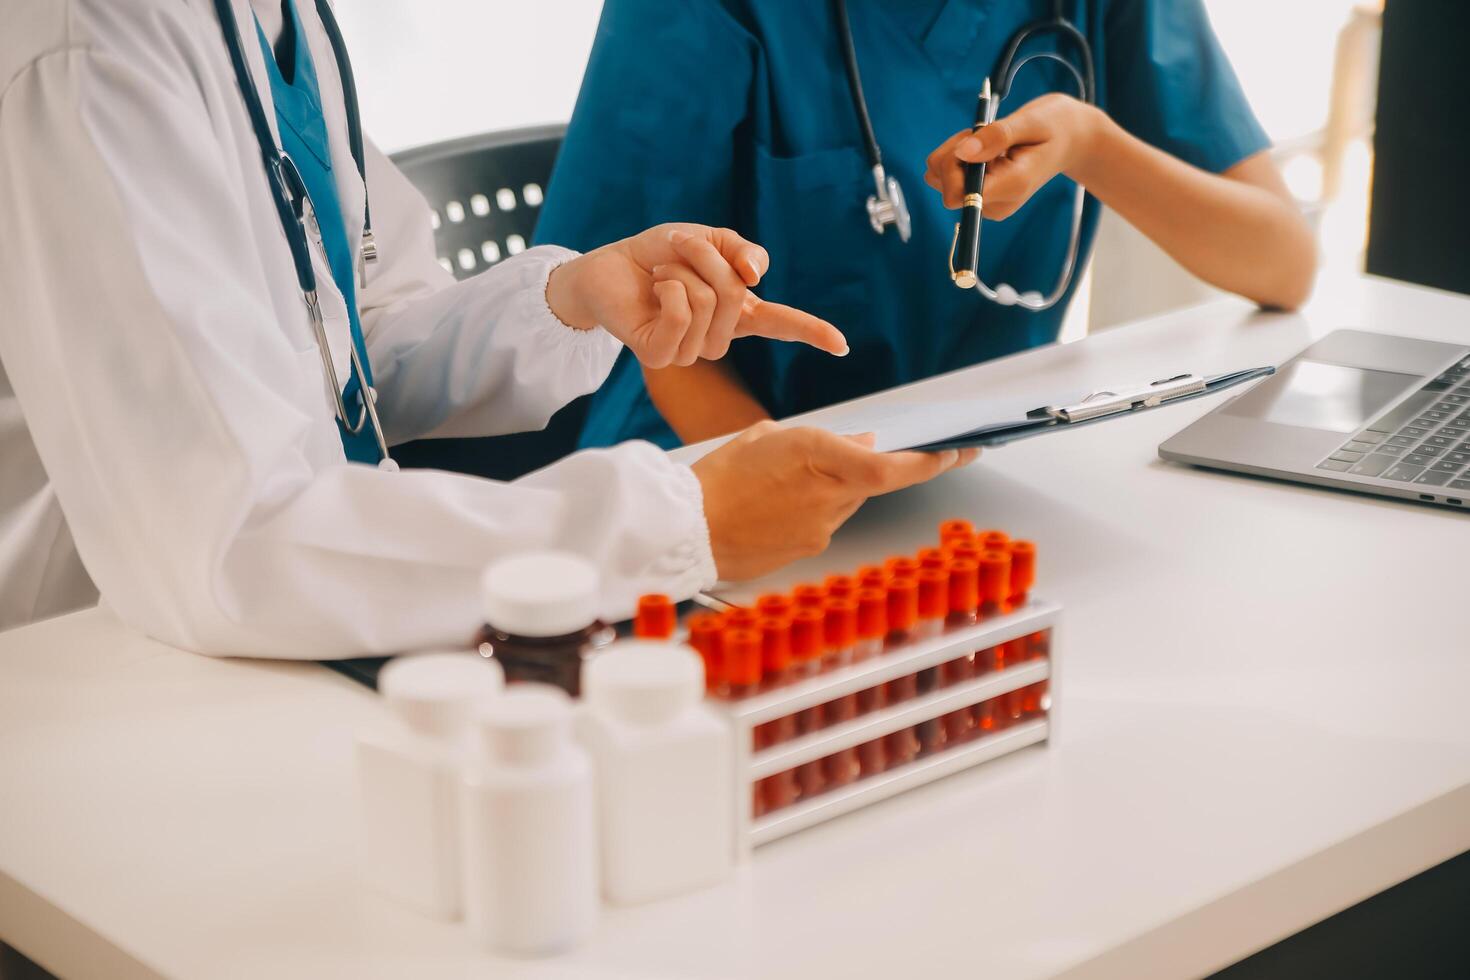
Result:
[159,349]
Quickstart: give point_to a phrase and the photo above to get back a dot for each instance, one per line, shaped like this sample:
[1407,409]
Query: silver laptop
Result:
[1358,411]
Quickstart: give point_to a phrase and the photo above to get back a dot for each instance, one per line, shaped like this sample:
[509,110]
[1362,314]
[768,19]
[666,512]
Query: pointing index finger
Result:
[779,322]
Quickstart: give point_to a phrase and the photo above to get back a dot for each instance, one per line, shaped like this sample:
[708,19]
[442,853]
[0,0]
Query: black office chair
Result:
[485,193]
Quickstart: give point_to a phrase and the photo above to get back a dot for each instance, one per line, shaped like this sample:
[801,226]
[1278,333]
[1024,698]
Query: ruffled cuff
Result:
[690,563]
[591,353]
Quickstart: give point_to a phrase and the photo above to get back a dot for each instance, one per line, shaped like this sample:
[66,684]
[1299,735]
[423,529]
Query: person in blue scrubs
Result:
[738,113]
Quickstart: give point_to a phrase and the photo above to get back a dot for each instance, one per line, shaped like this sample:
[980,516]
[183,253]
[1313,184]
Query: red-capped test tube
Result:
[741,618]
[840,586]
[903,614]
[655,619]
[777,668]
[966,548]
[964,610]
[808,632]
[995,587]
[992,540]
[901,566]
[871,577]
[705,630]
[774,604]
[956,527]
[872,630]
[933,611]
[931,558]
[741,662]
[809,595]
[842,767]
[808,643]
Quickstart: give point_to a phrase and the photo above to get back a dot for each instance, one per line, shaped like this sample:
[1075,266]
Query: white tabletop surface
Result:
[1261,722]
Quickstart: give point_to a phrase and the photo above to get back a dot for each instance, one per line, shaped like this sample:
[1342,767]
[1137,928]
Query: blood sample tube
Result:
[842,767]
[872,634]
[966,548]
[992,540]
[808,628]
[655,619]
[901,566]
[956,527]
[1023,577]
[995,588]
[741,660]
[774,604]
[933,611]
[931,558]
[810,596]
[840,586]
[777,668]
[872,627]
[780,790]
[964,610]
[808,642]
[872,577]
[1023,571]
[704,636]
[903,613]
[741,618]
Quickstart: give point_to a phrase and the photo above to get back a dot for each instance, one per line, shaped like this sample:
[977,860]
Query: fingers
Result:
[1013,180]
[748,259]
[871,474]
[945,173]
[719,273]
[702,303]
[778,322]
[660,336]
[1026,126]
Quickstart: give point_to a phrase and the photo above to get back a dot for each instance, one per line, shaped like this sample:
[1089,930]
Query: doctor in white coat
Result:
[163,404]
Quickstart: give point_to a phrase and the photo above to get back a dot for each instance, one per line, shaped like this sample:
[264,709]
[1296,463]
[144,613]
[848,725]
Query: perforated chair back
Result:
[485,196]
[485,192]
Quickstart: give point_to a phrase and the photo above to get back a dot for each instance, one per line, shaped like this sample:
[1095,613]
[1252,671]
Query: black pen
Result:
[964,253]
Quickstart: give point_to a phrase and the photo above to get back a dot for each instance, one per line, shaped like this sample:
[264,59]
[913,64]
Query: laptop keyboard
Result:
[1425,440]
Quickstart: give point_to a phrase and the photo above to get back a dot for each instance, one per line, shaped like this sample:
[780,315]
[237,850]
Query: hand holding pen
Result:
[964,253]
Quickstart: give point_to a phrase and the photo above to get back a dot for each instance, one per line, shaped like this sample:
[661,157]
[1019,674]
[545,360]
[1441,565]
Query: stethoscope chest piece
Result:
[886,206]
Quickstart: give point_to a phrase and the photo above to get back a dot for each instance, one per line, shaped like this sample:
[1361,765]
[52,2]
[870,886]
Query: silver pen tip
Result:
[985,89]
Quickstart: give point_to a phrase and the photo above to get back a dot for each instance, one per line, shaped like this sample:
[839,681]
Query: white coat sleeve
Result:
[479,357]
[186,433]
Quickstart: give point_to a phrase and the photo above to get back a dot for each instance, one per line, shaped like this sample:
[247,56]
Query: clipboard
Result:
[1100,406]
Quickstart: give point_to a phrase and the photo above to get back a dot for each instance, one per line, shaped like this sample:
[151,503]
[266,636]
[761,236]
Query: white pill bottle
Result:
[530,843]
[664,772]
[409,764]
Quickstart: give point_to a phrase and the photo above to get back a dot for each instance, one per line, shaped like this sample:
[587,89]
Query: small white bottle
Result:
[664,772]
[530,841]
[409,769]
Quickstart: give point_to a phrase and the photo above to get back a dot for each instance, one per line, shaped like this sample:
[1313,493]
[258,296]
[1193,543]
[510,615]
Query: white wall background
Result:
[432,69]
[429,70]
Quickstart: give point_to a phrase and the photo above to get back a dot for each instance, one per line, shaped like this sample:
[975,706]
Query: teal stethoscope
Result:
[886,206]
[294,209]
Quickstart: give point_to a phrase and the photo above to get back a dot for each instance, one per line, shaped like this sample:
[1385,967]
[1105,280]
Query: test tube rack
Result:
[752,765]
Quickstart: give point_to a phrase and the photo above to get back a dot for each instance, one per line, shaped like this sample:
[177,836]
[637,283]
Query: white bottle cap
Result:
[439,693]
[642,682]
[545,593]
[527,724]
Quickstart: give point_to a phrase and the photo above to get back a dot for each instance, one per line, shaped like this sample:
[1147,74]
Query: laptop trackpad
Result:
[1314,395]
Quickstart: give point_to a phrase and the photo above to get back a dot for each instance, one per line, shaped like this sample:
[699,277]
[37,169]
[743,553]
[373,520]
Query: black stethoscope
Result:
[886,205]
[295,211]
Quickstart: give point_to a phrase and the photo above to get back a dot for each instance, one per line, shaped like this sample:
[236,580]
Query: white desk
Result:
[1262,722]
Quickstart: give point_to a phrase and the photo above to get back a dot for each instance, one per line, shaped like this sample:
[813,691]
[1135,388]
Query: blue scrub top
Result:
[303,129]
[737,113]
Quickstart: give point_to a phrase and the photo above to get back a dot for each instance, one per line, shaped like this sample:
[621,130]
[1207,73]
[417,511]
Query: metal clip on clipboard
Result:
[1124,399]
[1100,406]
